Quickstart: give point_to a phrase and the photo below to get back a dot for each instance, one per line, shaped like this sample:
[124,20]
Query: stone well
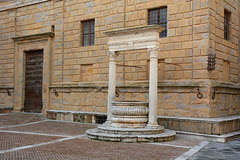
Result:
[129,114]
[132,121]
[129,124]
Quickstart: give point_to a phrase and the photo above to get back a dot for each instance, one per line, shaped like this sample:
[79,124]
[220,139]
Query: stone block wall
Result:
[226,74]
[195,29]
[85,98]
[227,51]
[6,100]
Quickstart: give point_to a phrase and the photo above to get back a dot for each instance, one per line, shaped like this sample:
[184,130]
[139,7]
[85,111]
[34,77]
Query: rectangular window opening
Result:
[88,32]
[227,16]
[158,16]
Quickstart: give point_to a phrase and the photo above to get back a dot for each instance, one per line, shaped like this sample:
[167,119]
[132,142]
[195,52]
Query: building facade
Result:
[53,59]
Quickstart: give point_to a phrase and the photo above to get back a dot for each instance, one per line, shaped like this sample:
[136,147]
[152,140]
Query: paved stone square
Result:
[220,151]
[31,136]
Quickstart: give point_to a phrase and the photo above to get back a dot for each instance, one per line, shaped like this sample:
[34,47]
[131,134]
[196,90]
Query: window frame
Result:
[91,40]
[161,10]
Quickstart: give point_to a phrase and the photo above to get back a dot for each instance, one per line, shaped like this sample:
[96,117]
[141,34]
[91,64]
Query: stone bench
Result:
[77,116]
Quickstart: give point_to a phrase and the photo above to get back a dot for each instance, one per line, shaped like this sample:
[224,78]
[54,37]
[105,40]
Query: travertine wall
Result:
[227,100]
[80,74]
[226,50]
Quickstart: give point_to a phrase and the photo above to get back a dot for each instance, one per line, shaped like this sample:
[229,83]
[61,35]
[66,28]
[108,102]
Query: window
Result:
[227,16]
[159,16]
[88,32]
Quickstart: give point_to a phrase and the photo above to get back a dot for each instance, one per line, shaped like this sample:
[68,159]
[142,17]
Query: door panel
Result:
[33,81]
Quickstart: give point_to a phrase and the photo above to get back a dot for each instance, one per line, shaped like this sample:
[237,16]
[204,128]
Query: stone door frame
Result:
[25,44]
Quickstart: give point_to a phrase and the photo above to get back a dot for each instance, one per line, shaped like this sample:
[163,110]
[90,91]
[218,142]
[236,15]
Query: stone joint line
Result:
[24,124]
[36,145]
[40,134]
[192,151]
[170,145]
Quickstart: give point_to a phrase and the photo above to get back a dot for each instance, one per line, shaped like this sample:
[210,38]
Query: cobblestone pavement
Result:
[26,136]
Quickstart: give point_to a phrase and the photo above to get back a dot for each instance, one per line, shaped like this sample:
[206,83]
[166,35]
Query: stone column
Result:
[153,87]
[111,83]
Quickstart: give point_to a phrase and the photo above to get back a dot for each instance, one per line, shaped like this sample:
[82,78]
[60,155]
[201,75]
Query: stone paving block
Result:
[220,151]
[90,149]
[13,140]
[19,118]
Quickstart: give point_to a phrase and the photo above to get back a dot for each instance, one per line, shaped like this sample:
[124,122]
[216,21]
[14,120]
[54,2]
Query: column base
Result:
[153,126]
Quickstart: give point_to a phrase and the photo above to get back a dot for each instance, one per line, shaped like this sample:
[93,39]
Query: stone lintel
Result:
[132,30]
[33,36]
[143,37]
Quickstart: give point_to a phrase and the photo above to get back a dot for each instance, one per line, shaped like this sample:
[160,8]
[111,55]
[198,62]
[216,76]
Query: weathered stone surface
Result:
[211,126]
[166,136]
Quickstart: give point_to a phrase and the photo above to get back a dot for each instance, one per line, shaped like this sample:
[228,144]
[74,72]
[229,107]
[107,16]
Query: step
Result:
[130,131]
[167,135]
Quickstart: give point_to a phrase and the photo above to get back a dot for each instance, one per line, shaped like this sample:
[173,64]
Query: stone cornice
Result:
[188,84]
[21,4]
[167,84]
[226,86]
[156,28]
[229,85]
[33,36]
[141,37]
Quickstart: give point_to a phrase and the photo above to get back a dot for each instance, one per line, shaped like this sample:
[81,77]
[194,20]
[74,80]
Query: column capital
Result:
[153,52]
[112,55]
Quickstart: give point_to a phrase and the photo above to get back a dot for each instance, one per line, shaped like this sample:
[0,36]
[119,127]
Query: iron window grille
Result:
[158,16]
[227,16]
[88,34]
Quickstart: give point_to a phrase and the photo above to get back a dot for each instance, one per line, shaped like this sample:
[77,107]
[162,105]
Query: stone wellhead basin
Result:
[129,124]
